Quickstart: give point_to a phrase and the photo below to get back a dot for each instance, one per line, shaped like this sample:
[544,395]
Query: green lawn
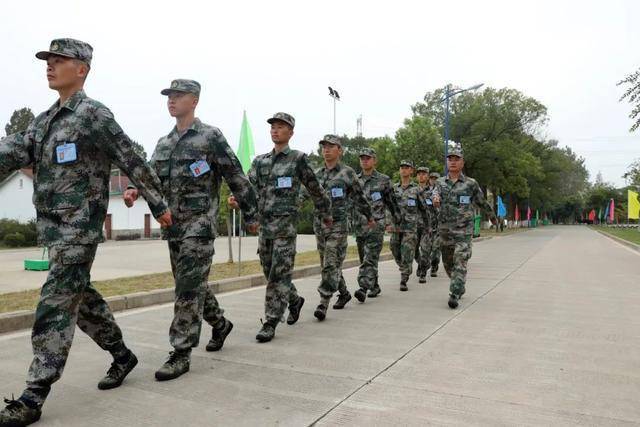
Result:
[629,234]
[27,300]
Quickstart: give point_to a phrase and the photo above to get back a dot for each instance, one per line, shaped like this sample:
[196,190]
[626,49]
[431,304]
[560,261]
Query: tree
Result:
[139,149]
[632,95]
[20,121]
[633,173]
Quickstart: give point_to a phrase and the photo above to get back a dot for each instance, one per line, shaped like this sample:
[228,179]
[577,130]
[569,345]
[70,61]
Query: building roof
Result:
[26,171]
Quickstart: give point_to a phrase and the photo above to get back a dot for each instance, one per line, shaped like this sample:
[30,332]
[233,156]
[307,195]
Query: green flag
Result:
[246,150]
[537,214]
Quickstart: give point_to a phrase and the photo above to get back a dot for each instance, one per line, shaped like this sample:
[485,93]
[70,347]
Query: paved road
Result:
[547,334]
[122,259]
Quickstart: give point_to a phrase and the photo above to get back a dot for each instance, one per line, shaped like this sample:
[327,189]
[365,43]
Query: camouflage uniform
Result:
[71,148]
[277,178]
[191,166]
[457,202]
[435,239]
[404,239]
[424,235]
[379,191]
[341,185]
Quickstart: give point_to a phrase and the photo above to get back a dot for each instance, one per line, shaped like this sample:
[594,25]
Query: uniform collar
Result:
[71,103]
[336,168]
[461,178]
[411,184]
[286,150]
[195,127]
[373,174]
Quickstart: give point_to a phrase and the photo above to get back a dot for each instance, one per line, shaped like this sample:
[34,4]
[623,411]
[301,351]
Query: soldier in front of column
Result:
[457,195]
[435,241]
[71,148]
[342,186]
[379,191]
[278,177]
[423,246]
[191,162]
[405,232]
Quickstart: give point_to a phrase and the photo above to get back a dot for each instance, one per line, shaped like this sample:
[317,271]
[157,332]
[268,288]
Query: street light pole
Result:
[336,97]
[448,94]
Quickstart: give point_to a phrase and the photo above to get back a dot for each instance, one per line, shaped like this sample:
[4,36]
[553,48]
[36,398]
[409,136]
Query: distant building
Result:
[16,193]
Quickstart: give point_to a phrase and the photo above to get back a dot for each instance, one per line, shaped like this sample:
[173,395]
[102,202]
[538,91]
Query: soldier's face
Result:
[423,177]
[65,72]
[180,104]
[455,163]
[406,171]
[281,132]
[367,163]
[432,181]
[330,152]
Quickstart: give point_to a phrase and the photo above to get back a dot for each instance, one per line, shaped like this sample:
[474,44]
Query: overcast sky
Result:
[382,57]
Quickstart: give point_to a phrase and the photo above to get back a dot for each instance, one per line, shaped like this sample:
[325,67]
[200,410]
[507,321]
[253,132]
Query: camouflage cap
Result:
[283,117]
[183,85]
[406,163]
[423,169]
[69,48]
[454,149]
[331,139]
[367,152]
[434,175]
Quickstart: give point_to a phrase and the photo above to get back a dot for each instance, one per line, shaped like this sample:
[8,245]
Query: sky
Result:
[263,57]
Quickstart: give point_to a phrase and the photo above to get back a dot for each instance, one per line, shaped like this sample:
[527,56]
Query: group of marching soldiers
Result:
[71,147]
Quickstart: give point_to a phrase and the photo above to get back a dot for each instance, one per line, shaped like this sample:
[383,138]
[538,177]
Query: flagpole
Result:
[239,242]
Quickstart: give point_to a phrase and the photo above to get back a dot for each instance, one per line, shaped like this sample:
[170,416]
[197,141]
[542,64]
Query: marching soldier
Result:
[435,240]
[191,162]
[71,147]
[423,247]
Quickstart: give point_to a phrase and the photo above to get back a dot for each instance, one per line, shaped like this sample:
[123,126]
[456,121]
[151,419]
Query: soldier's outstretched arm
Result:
[481,203]
[238,182]
[313,189]
[119,148]
[16,151]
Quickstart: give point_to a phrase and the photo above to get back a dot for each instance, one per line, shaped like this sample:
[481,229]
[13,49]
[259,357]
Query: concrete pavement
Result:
[546,334]
[116,259]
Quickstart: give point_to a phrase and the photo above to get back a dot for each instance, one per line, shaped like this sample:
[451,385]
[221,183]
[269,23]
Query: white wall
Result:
[15,202]
[124,218]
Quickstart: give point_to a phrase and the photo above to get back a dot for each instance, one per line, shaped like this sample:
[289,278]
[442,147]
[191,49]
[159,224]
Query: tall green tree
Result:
[20,121]
[632,95]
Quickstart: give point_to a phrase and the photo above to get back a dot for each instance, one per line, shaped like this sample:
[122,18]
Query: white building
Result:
[16,193]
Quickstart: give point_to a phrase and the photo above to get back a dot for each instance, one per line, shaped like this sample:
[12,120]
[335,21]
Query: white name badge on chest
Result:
[66,153]
[375,196]
[337,192]
[284,182]
[199,168]
[411,202]
[465,200]
[429,202]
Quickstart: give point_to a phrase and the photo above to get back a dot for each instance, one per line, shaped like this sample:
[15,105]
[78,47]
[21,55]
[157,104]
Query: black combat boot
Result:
[343,299]
[218,335]
[422,279]
[118,371]
[19,413]
[321,312]
[176,365]
[403,286]
[375,291]
[294,311]
[360,294]
[453,301]
[268,331]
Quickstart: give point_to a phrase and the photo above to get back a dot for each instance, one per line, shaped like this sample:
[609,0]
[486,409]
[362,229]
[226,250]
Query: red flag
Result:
[517,213]
[611,209]
[592,215]
[528,213]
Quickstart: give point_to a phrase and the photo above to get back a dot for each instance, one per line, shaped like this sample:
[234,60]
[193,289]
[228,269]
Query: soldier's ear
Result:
[195,101]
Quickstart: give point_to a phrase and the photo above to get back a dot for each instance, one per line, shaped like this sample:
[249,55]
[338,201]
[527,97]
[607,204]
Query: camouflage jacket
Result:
[342,186]
[277,179]
[413,208]
[71,148]
[457,202]
[191,168]
[434,210]
[427,194]
[378,189]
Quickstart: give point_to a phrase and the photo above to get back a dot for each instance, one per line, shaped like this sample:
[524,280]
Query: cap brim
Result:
[170,91]
[272,120]
[45,54]
[454,155]
[323,142]
[367,155]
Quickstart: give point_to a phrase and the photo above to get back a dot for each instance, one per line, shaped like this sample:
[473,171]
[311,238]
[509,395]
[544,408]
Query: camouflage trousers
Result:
[277,257]
[423,251]
[403,246]
[67,299]
[190,264]
[332,246]
[456,251]
[435,250]
[369,248]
